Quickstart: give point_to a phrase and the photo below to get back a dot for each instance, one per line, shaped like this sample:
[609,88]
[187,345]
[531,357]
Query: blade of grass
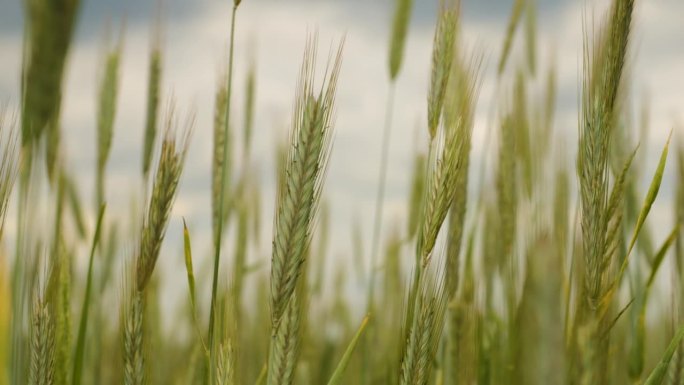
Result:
[660,256]
[659,373]
[336,377]
[636,363]
[261,380]
[645,209]
[187,251]
[650,196]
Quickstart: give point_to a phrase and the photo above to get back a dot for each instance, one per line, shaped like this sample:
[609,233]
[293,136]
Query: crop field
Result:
[529,256]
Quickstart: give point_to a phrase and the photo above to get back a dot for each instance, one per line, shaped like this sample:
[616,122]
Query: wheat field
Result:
[528,257]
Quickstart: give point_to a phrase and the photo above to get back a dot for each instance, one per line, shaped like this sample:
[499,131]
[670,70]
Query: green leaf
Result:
[645,209]
[660,371]
[261,380]
[660,256]
[187,250]
[650,196]
[638,346]
[339,371]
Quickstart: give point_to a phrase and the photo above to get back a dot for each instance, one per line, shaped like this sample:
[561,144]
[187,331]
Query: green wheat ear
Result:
[443,52]
[50,28]
[153,95]
[220,158]
[42,369]
[445,169]
[424,329]
[106,112]
[297,203]
[602,78]
[8,164]
[417,193]
[402,18]
[516,14]
[134,358]
[166,179]
[298,197]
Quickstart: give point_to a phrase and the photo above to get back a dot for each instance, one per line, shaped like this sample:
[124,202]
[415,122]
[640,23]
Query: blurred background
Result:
[271,35]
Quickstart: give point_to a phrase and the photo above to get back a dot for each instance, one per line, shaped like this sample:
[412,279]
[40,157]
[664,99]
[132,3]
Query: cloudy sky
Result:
[273,33]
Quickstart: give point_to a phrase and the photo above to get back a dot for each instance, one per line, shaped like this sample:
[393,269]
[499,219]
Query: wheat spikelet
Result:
[299,195]
[50,28]
[171,161]
[42,345]
[424,331]
[416,195]
[516,14]
[134,360]
[153,93]
[8,164]
[507,199]
[464,87]
[602,78]
[402,18]
[226,365]
[167,177]
[284,348]
[298,199]
[443,176]
[105,118]
[221,159]
[443,49]
[250,96]
[599,97]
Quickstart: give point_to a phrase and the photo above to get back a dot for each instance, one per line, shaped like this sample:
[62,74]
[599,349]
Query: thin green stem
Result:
[379,201]
[219,232]
[83,325]
[377,221]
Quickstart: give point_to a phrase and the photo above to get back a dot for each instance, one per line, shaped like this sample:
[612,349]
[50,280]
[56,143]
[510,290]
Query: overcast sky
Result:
[273,32]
